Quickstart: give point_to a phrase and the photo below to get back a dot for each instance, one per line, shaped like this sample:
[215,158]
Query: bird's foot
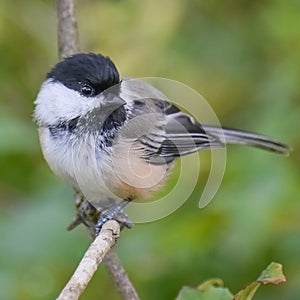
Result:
[117,213]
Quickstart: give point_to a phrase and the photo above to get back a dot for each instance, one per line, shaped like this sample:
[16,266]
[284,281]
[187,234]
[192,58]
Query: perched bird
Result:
[114,138]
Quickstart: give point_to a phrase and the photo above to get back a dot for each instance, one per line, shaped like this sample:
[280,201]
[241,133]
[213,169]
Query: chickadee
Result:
[118,139]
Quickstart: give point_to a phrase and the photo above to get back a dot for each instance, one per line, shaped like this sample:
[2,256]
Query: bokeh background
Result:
[243,57]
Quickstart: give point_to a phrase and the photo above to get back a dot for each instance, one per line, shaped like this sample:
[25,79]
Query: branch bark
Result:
[88,215]
[119,275]
[67,28]
[67,45]
[90,261]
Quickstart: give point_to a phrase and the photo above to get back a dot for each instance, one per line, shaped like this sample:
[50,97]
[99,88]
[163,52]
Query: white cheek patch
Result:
[55,102]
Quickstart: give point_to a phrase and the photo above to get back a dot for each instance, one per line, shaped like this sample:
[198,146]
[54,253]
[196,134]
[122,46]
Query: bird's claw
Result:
[114,213]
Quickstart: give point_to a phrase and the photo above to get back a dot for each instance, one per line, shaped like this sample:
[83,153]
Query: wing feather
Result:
[180,135]
[174,133]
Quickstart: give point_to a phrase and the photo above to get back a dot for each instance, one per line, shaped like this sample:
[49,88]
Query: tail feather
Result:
[232,136]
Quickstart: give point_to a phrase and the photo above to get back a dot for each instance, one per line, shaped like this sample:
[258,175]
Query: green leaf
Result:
[272,274]
[206,291]
[188,293]
[248,292]
[213,289]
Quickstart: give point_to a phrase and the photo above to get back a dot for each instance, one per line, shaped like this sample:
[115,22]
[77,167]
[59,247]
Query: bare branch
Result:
[88,214]
[89,263]
[67,45]
[67,28]
[120,277]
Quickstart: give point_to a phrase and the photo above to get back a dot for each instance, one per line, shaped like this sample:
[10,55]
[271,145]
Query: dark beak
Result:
[113,101]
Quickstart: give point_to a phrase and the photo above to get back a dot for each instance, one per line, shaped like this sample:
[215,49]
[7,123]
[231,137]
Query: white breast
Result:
[78,163]
[100,175]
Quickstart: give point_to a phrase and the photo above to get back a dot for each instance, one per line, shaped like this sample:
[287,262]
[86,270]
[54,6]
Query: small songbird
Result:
[114,138]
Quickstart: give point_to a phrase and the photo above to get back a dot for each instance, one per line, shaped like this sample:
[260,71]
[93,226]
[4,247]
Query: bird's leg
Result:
[115,213]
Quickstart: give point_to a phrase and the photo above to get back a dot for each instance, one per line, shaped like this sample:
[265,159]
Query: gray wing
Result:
[182,135]
[178,135]
[172,133]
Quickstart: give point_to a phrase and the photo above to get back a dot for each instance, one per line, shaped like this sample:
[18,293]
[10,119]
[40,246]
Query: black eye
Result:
[86,90]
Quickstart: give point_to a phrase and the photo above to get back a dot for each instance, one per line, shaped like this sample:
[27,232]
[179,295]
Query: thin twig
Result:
[90,261]
[120,277]
[68,44]
[88,214]
[67,28]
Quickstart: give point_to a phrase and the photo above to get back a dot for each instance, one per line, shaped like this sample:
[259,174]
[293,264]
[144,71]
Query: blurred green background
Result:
[243,57]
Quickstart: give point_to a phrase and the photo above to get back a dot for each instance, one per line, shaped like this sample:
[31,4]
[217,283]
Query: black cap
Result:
[86,69]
